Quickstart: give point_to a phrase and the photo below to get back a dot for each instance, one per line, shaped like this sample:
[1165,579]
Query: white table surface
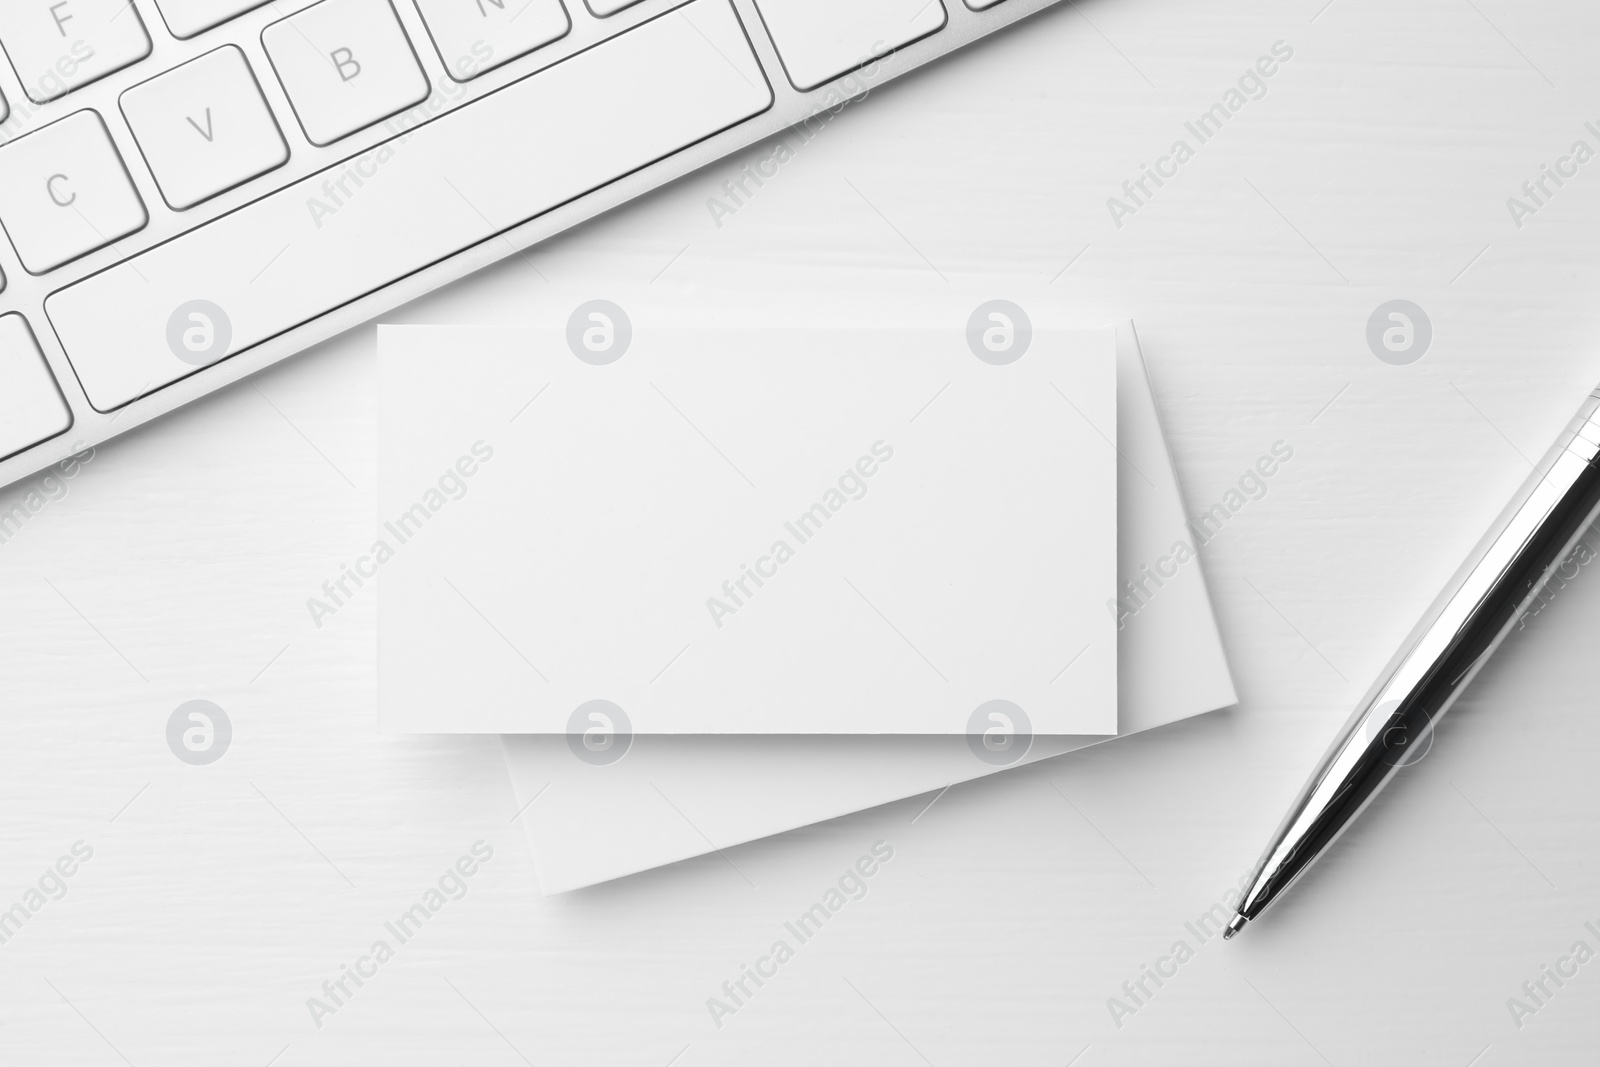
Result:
[1377,167]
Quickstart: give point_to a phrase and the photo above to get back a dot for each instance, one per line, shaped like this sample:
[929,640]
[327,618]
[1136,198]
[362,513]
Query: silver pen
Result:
[1499,581]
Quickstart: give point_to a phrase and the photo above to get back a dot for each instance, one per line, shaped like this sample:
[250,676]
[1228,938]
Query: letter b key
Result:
[345,64]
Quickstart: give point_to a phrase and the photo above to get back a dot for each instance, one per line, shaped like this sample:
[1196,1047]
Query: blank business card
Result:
[664,798]
[747,531]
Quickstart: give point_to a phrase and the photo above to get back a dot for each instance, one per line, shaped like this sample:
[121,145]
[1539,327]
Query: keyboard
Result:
[191,190]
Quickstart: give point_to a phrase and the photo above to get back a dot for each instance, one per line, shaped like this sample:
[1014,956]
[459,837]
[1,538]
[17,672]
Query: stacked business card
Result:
[815,570]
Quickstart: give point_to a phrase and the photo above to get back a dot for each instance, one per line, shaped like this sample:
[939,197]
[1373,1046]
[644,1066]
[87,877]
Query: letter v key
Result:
[206,133]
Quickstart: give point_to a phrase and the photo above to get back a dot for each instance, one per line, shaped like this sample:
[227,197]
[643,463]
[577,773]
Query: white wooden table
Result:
[1376,167]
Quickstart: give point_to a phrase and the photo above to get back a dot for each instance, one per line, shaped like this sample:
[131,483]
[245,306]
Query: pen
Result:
[1499,581]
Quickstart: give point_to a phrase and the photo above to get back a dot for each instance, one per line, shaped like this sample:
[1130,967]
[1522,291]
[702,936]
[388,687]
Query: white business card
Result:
[665,798]
[747,531]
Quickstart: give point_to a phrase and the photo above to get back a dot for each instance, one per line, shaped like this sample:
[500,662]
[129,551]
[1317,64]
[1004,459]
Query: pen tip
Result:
[1234,926]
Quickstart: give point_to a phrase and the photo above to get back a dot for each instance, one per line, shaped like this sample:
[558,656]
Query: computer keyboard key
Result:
[345,64]
[204,127]
[185,18]
[818,40]
[474,36]
[456,182]
[31,408]
[65,192]
[57,46]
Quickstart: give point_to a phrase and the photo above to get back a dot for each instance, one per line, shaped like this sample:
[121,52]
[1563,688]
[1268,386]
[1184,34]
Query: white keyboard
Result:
[193,189]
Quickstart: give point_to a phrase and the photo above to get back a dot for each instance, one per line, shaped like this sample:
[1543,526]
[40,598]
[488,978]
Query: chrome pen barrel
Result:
[1496,585]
